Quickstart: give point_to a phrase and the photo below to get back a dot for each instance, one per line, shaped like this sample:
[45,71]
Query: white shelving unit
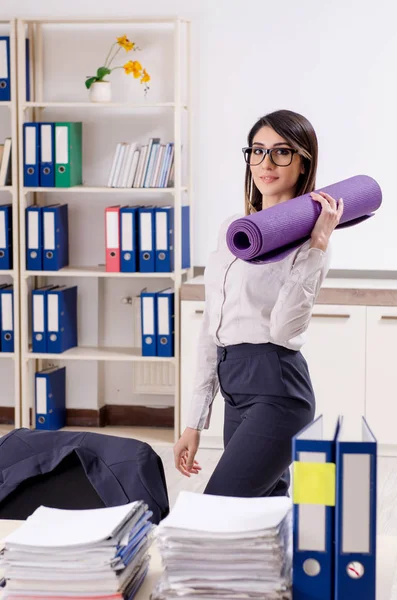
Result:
[9,110]
[181,193]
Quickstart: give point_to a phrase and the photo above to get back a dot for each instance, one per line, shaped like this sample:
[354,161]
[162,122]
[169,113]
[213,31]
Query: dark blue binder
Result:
[149,323]
[185,237]
[355,527]
[7,318]
[50,397]
[129,237]
[31,155]
[5,69]
[6,237]
[165,322]
[55,237]
[313,523]
[61,319]
[164,216]
[47,154]
[147,239]
[34,238]
[39,318]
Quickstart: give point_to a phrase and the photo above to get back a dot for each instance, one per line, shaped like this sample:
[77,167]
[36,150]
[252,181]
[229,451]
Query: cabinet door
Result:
[191,319]
[335,352]
[381,373]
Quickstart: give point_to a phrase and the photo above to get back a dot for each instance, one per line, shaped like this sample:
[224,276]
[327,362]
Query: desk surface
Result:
[386,564]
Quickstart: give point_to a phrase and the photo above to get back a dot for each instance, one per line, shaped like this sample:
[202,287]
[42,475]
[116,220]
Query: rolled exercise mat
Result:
[270,235]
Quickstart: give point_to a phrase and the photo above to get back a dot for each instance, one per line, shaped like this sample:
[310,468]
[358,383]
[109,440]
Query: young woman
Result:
[254,323]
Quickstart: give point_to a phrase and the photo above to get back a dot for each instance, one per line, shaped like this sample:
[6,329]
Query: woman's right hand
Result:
[185,450]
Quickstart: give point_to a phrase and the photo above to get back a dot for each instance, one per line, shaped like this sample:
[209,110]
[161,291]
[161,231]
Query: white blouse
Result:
[255,304]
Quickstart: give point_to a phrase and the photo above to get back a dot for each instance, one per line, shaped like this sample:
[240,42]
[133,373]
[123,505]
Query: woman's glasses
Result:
[281,157]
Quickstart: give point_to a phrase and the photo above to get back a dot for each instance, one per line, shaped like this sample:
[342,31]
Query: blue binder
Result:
[5,69]
[165,242]
[47,154]
[129,239]
[313,518]
[355,531]
[39,318]
[27,80]
[185,237]
[147,239]
[61,319]
[55,237]
[7,318]
[34,238]
[165,322]
[50,398]
[148,323]
[6,237]
[31,154]
[164,216]
[2,285]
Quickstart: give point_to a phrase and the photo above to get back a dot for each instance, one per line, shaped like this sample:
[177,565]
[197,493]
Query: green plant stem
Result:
[113,57]
[109,53]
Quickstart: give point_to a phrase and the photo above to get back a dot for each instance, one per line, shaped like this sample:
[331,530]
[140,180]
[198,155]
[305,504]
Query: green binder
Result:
[68,154]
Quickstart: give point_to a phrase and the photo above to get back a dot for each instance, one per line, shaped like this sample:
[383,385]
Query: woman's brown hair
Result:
[299,133]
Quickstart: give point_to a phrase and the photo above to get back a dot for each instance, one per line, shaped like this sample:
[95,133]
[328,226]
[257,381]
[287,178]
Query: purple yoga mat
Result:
[270,235]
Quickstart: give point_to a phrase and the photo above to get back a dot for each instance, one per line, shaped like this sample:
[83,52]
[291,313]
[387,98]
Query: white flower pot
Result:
[100,91]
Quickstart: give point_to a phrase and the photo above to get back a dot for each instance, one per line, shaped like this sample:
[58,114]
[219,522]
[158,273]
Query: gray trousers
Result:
[268,399]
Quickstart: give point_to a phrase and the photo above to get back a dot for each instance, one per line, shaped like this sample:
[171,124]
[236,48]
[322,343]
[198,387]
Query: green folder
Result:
[68,154]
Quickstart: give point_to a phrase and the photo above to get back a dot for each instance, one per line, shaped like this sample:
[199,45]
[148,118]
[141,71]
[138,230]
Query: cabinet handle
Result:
[199,312]
[389,317]
[330,316]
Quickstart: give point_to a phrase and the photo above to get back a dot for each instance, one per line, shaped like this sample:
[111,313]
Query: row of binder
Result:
[157,322]
[147,166]
[334,494]
[50,398]
[6,318]
[47,237]
[52,154]
[6,260]
[141,238]
[5,69]
[5,163]
[54,319]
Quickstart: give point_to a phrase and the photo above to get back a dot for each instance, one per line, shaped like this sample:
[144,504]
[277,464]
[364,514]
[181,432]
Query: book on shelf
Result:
[142,166]
[5,163]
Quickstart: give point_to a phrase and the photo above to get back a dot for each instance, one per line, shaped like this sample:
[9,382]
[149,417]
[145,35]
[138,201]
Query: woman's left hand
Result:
[328,219]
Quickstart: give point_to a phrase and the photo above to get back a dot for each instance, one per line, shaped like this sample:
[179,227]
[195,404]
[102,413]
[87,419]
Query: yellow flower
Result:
[145,76]
[125,43]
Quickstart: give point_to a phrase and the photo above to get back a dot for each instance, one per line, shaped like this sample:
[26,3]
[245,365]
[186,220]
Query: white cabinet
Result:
[191,319]
[335,351]
[381,374]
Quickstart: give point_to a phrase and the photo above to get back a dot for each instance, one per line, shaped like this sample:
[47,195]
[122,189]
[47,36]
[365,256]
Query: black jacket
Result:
[121,470]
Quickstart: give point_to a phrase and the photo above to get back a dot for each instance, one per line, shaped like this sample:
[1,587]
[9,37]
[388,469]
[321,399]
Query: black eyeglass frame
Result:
[268,151]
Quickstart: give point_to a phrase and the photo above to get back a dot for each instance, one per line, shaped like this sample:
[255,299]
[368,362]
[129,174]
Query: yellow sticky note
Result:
[314,483]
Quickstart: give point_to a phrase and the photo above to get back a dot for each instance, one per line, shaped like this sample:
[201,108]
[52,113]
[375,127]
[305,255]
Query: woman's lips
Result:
[269,179]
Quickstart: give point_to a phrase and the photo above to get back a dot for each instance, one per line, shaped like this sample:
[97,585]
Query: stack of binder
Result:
[54,319]
[334,495]
[6,318]
[52,154]
[223,547]
[47,237]
[157,322]
[141,239]
[6,261]
[101,553]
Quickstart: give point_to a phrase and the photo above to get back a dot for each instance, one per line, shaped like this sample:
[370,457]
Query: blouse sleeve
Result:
[291,314]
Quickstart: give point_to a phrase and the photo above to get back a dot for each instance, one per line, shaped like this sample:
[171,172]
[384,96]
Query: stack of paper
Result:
[98,553]
[221,547]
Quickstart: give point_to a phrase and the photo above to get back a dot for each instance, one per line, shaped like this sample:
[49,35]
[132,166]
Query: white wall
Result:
[334,62]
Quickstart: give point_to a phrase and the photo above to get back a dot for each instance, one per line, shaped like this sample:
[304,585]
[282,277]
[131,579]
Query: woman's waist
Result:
[244,350]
